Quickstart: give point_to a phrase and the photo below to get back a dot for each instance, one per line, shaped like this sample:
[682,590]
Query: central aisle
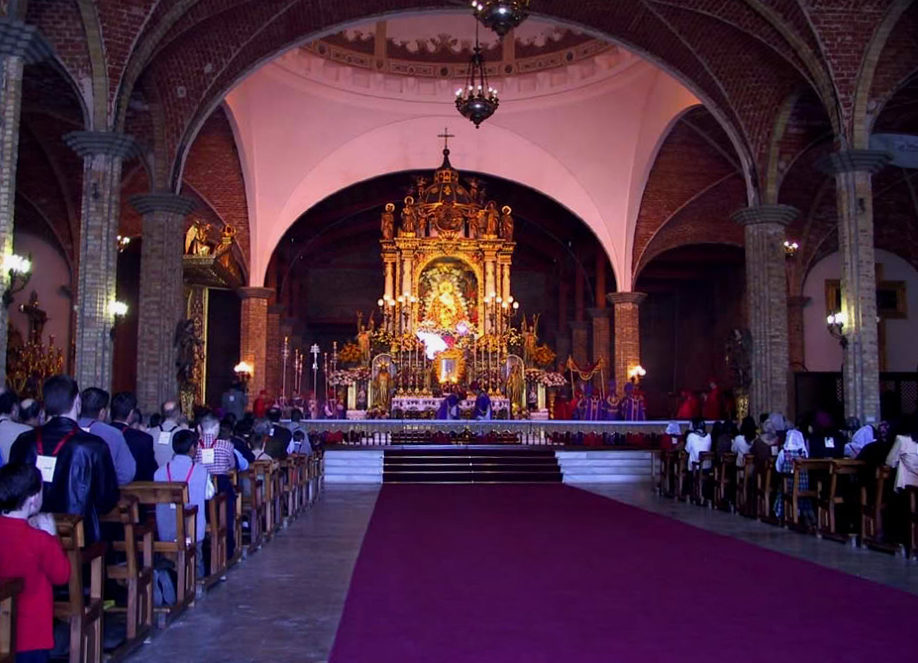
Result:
[552,573]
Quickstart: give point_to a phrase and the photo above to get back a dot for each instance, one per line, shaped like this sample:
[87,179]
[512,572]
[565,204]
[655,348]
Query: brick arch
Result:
[693,167]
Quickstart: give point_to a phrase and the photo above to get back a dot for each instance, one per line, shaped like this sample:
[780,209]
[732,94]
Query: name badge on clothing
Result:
[165,437]
[830,443]
[208,457]
[46,465]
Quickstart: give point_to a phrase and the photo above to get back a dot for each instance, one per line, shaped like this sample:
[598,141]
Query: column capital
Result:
[780,214]
[849,161]
[162,202]
[255,293]
[798,301]
[598,313]
[636,298]
[18,39]
[108,143]
[579,325]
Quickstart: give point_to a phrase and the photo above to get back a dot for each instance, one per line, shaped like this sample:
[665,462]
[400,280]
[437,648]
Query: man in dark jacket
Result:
[123,411]
[76,466]
[281,436]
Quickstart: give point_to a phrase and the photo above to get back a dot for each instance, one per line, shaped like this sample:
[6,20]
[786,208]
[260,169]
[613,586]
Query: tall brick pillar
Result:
[275,347]
[20,44]
[627,333]
[853,171]
[161,295]
[580,336]
[103,153]
[796,352]
[766,303]
[602,341]
[253,335]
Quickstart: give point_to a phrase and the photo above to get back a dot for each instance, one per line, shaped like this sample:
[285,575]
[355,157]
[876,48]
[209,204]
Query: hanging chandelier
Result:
[501,15]
[477,101]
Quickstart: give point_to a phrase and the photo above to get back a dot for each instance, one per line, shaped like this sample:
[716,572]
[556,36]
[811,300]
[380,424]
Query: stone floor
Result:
[284,603]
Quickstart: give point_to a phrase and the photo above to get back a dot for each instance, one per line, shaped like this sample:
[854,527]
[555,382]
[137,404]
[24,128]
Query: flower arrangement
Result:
[349,353]
[348,376]
[552,379]
[543,355]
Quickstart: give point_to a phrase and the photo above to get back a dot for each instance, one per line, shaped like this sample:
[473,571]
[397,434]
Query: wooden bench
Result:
[764,490]
[253,506]
[136,573]
[240,552]
[725,480]
[834,497]
[9,589]
[216,529]
[82,612]
[182,551]
[744,478]
[873,511]
[702,477]
[795,494]
[911,523]
[267,471]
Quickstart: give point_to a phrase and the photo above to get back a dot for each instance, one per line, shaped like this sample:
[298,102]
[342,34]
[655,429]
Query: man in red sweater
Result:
[32,552]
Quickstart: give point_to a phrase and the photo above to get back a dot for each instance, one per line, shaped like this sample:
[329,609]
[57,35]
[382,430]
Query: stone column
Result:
[627,333]
[103,153]
[161,300]
[253,333]
[580,332]
[20,44]
[853,171]
[505,278]
[406,277]
[796,352]
[601,341]
[274,359]
[766,303]
[390,277]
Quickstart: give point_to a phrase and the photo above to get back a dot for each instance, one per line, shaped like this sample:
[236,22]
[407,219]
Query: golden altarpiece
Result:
[446,307]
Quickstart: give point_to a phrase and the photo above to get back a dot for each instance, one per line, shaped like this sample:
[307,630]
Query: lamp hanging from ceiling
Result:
[477,101]
[501,15]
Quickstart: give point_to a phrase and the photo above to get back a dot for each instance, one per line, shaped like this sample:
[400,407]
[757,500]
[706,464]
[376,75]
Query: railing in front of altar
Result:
[385,432]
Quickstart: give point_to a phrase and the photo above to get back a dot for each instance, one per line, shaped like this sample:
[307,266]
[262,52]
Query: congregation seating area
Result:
[843,500]
[113,583]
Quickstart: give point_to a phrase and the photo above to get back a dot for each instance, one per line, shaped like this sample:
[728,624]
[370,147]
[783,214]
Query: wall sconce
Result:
[790,248]
[835,323]
[117,310]
[244,371]
[122,243]
[20,271]
[636,373]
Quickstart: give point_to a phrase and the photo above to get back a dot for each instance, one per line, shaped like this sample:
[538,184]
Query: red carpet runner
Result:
[551,573]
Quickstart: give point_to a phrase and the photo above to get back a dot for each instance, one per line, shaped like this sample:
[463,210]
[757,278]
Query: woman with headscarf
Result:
[794,448]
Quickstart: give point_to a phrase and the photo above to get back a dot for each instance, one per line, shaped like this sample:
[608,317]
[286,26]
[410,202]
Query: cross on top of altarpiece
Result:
[446,135]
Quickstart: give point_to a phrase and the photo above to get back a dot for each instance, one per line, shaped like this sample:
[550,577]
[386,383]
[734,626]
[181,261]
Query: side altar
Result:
[447,340]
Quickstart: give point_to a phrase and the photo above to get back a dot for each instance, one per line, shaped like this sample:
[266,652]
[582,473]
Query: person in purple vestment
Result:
[449,408]
[631,407]
[483,405]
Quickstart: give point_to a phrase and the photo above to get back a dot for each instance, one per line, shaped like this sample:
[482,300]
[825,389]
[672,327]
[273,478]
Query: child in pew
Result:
[200,488]
[32,552]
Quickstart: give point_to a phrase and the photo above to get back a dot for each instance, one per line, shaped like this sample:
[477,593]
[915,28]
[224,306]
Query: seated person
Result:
[742,443]
[301,443]
[794,448]
[696,442]
[30,551]
[258,446]
[183,468]
[124,416]
[280,437]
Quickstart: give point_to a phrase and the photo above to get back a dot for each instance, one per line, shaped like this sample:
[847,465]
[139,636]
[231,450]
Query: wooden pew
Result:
[316,474]
[911,537]
[253,506]
[835,497]
[680,471]
[702,477]
[744,478]
[136,573]
[813,467]
[182,551]
[664,484]
[267,471]
[83,613]
[764,489]
[9,589]
[725,480]
[216,530]
[873,511]
[240,552]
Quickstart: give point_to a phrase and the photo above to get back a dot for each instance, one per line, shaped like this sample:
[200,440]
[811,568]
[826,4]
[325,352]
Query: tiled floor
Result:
[284,603]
